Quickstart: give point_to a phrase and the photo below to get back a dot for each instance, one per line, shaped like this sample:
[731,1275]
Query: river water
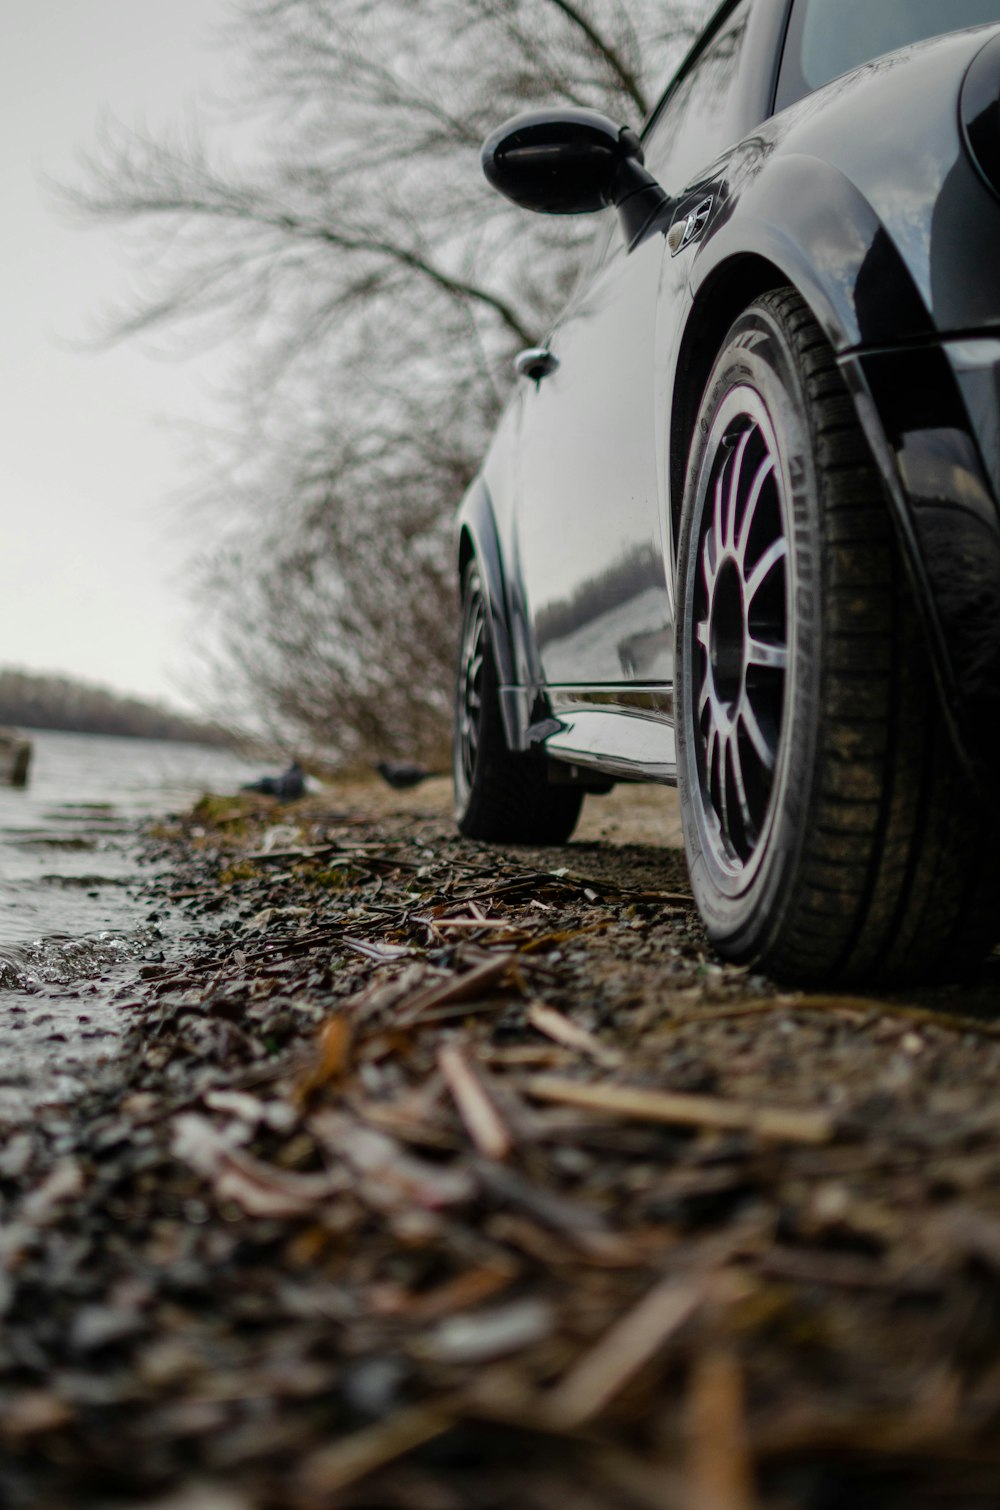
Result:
[73,921]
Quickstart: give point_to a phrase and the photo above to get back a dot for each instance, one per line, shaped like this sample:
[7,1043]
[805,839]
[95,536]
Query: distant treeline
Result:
[32,701]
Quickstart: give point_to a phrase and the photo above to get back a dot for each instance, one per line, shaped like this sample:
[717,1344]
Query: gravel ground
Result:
[432,1175]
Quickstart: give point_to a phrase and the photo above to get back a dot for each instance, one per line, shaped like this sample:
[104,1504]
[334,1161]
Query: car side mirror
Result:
[573,162]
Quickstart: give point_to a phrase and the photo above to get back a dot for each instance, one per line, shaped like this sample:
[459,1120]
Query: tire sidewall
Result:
[743,917]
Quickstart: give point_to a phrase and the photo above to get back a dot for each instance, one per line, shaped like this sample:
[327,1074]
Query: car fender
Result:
[477,537]
[781,218]
[813,229]
[806,218]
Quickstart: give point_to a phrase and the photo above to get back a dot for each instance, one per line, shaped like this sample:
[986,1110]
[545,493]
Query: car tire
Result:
[830,831]
[501,795]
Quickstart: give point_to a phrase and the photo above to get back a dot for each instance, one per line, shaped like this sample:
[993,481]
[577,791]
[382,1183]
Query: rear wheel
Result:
[501,795]
[830,832]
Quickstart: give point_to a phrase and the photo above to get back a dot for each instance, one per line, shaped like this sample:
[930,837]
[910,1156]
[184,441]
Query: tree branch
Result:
[604,49]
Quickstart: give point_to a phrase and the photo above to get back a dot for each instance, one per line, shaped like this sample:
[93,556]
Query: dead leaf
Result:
[333,1059]
[32,1413]
[392,1178]
[482,1336]
[261,1189]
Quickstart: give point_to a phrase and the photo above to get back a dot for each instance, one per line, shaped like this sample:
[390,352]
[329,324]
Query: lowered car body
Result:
[773,169]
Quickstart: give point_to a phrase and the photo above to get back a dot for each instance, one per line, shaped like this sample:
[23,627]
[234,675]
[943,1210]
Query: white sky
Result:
[93,541]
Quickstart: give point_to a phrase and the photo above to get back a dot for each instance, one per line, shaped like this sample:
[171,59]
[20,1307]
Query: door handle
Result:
[535,363]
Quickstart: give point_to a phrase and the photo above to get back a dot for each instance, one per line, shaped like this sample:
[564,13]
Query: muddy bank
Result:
[432,1175]
[72,926]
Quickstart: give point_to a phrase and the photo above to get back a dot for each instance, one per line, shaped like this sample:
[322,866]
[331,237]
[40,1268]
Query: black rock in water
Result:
[289,785]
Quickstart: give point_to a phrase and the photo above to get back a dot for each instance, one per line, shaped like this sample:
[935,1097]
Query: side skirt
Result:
[627,733]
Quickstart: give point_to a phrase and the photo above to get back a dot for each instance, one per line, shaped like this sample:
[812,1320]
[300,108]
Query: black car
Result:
[739,528]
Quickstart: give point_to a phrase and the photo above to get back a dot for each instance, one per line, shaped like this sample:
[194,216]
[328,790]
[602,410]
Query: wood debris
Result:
[432,1174]
[475,1107]
[562,1029]
[335,1468]
[632,1342]
[720,1470]
[691,1111]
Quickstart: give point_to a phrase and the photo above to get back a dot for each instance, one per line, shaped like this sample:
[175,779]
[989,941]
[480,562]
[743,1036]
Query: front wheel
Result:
[830,833]
[501,795]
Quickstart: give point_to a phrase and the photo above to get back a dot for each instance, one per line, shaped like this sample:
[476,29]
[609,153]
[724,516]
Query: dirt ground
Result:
[443,1177]
[626,815]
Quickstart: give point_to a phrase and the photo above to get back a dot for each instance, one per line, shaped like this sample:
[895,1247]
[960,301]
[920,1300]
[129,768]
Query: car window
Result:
[696,119]
[829,37]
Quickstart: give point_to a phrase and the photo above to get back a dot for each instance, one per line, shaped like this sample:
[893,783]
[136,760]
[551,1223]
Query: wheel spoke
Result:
[735,479]
[724,744]
[762,653]
[711,743]
[749,830]
[776,552]
[755,734]
[714,539]
[764,471]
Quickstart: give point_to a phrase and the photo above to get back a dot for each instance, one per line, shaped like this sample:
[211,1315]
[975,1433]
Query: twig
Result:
[720,1476]
[562,1029]
[630,1343]
[690,1111]
[481,1118]
[345,1462]
[380,952]
[300,852]
[457,988]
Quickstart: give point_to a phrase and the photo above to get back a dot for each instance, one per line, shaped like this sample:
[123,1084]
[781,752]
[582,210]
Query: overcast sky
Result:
[93,541]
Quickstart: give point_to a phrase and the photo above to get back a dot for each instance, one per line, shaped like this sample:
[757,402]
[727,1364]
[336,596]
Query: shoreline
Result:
[431,1174]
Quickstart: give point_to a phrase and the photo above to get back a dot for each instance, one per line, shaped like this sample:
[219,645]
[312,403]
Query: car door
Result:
[590,516]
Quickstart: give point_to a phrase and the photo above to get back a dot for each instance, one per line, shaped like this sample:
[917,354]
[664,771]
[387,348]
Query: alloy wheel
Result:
[740,633]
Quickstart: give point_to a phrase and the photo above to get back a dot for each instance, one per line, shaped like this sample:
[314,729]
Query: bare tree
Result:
[336,228]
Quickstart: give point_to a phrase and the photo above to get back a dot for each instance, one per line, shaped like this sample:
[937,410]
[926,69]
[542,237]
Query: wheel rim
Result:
[469,688]
[739,627]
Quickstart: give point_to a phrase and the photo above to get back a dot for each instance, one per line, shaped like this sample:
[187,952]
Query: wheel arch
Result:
[792,220]
[722,297]
[478,539]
